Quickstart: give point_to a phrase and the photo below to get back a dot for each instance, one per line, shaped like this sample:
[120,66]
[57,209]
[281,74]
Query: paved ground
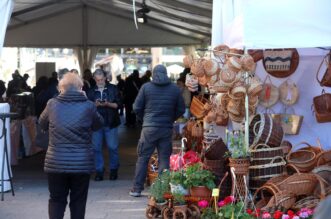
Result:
[106,200]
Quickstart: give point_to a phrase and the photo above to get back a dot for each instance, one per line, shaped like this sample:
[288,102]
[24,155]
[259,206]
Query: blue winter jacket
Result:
[159,103]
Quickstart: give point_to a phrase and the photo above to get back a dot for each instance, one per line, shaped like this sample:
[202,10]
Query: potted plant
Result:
[160,187]
[199,180]
[177,182]
[238,152]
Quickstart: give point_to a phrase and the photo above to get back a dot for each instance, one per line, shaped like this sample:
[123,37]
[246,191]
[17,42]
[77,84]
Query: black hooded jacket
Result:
[159,103]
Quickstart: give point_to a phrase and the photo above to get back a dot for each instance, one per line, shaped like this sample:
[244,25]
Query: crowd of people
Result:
[83,113]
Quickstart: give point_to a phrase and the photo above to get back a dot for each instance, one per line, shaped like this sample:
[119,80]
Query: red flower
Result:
[249,211]
[229,200]
[257,213]
[290,213]
[278,214]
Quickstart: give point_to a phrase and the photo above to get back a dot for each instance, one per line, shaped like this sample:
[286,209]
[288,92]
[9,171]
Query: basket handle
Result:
[293,167]
[263,146]
[275,158]
[322,185]
[254,127]
[223,179]
[303,142]
[319,68]
[264,187]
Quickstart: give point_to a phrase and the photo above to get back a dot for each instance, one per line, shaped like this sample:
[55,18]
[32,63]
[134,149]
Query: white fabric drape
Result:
[6,8]
[273,24]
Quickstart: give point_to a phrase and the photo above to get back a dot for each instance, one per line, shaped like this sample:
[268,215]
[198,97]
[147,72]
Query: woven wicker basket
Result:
[309,202]
[322,106]
[241,166]
[304,160]
[264,130]
[324,158]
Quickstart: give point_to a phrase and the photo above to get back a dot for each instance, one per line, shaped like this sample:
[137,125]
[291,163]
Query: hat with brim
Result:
[269,95]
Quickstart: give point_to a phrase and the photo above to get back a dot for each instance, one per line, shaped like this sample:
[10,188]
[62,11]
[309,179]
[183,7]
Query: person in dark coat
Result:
[159,104]
[40,95]
[106,98]
[146,77]
[120,87]
[131,89]
[70,118]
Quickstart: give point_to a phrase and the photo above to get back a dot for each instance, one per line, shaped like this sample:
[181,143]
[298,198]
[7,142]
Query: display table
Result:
[4,108]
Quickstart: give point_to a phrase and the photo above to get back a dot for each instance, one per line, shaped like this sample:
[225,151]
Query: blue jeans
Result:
[111,137]
[152,138]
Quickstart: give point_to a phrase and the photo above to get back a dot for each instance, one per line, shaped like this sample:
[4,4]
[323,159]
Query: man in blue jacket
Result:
[106,98]
[159,103]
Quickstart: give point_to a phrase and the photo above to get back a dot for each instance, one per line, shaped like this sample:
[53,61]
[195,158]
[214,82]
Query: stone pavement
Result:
[106,199]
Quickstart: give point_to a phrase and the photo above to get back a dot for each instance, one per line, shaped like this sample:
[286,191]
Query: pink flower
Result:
[221,204]
[266,215]
[203,204]
[285,216]
[296,217]
[303,214]
[306,210]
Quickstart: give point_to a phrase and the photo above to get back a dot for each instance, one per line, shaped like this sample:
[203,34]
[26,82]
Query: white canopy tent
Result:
[6,8]
[88,24]
[260,24]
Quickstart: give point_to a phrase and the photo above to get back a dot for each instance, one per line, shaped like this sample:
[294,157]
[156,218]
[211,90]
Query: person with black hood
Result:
[131,89]
[159,104]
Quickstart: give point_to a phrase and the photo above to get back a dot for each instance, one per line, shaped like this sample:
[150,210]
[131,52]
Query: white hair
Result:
[70,81]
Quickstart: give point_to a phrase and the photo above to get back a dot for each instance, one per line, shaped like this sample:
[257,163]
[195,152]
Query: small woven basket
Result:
[241,165]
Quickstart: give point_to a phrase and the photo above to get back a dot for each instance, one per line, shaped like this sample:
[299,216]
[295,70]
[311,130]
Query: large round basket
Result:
[260,174]
[240,165]
[304,160]
[264,130]
[216,150]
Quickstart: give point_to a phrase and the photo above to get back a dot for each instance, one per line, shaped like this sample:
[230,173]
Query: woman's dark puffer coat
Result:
[70,118]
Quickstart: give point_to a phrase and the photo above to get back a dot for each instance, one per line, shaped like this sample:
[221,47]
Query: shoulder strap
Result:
[319,68]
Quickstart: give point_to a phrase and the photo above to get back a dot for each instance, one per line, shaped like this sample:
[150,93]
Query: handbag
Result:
[322,107]
[326,79]
[198,106]
[277,60]
[291,122]
[42,138]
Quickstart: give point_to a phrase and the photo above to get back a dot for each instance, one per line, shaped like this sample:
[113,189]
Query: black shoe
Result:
[98,176]
[113,174]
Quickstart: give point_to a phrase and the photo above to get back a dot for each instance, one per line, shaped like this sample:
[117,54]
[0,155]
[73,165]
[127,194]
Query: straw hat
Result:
[269,95]
[204,80]
[289,93]
[255,86]
[211,67]
[221,48]
[247,63]
[188,61]
[197,68]
[220,87]
[234,64]
[238,89]
[234,107]
[227,76]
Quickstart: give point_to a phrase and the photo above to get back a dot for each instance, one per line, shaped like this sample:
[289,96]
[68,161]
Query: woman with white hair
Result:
[70,118]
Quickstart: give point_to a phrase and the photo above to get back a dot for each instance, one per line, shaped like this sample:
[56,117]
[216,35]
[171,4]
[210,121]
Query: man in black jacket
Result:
[70,118]
[159,103]
[106,98]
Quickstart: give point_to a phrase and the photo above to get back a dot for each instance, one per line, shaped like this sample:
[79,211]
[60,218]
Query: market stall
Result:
[266,103]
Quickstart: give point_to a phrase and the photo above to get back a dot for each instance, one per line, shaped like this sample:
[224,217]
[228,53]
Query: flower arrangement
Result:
[236,144]
[160,187]
[228,209]
[197,176]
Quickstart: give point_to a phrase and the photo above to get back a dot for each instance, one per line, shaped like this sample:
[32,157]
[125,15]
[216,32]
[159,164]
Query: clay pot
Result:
[200,191]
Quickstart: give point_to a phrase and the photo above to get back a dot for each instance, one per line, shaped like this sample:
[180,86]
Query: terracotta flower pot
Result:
[200,191]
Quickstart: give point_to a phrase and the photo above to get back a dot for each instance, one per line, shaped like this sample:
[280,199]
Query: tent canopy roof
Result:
[108,23]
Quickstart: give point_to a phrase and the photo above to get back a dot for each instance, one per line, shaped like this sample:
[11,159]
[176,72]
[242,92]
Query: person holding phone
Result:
[107,100]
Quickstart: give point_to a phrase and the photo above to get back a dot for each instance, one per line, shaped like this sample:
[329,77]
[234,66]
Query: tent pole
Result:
[84,34]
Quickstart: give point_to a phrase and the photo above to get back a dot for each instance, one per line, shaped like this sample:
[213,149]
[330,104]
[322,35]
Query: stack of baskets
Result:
[266,162]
